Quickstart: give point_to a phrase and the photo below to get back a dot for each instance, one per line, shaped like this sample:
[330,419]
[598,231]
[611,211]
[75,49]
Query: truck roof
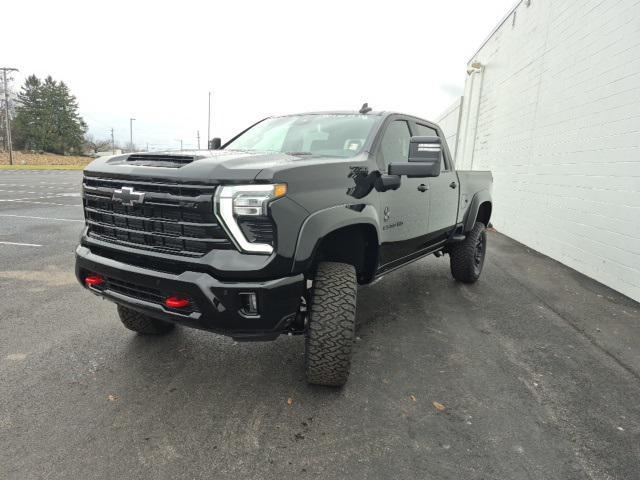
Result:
[381,113]
[334,112]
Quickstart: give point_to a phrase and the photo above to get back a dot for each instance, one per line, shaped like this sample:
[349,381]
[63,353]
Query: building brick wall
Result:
[555,115]
[448,121]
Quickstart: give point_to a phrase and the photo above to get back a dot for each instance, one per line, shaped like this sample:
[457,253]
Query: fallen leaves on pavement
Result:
[439,407]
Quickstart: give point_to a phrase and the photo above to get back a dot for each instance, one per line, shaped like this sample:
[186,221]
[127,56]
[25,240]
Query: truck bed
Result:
[472,181]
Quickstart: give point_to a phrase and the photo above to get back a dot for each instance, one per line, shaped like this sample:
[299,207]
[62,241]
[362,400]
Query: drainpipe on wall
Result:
[478,68]
[455,147]
[474,68]
[466,123]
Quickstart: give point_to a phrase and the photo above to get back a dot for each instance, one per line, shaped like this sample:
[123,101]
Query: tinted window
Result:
[324,135]
[395,142]
[423,130]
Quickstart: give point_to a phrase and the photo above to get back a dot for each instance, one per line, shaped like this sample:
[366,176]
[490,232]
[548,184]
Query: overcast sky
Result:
[156,61]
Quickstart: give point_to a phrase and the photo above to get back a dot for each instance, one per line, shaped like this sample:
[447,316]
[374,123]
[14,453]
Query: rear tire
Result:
[143,324]
[467,257]
[331,328]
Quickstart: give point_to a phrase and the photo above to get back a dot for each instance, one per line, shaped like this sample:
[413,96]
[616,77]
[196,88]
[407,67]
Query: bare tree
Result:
[94,145]
[3,109]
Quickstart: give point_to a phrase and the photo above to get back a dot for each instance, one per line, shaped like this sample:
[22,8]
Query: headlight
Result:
[235,202]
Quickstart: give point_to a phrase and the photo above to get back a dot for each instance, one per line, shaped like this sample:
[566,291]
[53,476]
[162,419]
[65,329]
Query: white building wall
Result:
[449,121]
[554,113]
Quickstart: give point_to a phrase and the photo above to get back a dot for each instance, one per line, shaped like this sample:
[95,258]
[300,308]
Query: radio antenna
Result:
[365,108]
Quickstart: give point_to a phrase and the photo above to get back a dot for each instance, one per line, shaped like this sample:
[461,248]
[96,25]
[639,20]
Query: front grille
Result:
[146,294]
[175,219]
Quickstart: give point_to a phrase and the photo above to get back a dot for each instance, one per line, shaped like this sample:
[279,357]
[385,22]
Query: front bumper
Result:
[218,306]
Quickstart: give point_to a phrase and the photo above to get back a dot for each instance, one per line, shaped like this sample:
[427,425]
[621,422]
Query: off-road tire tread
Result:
[462,256]
[143,324]
[331,329]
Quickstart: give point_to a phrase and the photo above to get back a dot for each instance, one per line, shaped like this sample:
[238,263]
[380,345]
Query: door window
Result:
[395,142]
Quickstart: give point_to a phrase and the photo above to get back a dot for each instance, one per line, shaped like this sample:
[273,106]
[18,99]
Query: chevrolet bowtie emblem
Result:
[128,196]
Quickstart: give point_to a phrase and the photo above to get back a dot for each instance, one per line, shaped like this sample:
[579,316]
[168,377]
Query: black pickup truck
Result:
[271,233]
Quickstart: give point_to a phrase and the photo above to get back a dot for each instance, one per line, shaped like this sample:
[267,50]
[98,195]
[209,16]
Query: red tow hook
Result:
[177,302]
[93,281]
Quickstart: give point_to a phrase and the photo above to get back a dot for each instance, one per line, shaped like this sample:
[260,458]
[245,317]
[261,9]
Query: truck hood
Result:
[201,166]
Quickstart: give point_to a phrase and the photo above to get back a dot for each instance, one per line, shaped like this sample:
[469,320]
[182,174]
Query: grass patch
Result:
[42,167]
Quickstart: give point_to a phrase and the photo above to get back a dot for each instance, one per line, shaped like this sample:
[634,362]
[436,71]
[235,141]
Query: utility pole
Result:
[198,135]
[131,133]
[209,122]
[180,145]
[113,143]
[6,110]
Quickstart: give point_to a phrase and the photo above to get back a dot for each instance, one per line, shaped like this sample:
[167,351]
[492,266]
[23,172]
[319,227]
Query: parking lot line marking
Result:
[42,218]
[68,194]
[33,185]
[43,203]
[43,197]
[21,244]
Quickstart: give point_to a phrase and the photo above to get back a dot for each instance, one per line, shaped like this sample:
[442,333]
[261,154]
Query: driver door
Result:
[404,212]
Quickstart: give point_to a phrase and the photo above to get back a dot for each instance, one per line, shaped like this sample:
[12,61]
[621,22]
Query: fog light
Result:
[177,302]
[249,303]
[93,281]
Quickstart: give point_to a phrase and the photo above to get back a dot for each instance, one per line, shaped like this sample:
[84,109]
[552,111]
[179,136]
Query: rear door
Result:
[444,190]
[405,211]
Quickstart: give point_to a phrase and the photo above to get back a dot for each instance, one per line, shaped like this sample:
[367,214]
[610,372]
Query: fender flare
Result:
[472,212]
[321,223]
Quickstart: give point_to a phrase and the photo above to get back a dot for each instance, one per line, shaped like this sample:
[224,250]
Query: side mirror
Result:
[425,149]
[424,159]
[414,169]
[387,182]
[215,143]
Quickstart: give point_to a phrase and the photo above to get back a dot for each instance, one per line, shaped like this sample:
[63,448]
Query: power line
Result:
[7,121]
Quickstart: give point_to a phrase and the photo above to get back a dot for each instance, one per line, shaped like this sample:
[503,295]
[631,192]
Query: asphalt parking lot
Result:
[537,367]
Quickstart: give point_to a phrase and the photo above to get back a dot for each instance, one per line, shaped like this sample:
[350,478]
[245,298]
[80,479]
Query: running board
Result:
[458,237]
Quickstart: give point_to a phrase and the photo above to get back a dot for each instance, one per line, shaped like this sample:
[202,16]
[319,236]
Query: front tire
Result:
[331,328]
[143,324]
[467,257]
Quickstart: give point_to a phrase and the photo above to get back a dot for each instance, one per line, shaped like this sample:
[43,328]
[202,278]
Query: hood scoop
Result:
[159,160]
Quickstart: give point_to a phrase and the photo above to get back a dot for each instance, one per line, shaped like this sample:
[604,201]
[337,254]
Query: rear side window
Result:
[423,130]
[395,142]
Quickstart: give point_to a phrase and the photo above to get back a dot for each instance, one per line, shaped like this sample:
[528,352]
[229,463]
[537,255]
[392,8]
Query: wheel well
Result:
[356,245]
[484,213]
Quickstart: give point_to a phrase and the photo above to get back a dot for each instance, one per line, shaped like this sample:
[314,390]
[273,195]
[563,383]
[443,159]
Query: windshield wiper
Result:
[300,153]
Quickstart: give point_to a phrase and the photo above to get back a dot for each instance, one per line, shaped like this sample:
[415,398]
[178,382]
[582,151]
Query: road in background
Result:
[537,366]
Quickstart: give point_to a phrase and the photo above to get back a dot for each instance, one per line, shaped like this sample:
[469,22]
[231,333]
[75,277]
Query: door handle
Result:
[453,184]
[422,187]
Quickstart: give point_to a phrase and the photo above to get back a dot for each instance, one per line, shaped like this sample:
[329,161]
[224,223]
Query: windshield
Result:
[327,135]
